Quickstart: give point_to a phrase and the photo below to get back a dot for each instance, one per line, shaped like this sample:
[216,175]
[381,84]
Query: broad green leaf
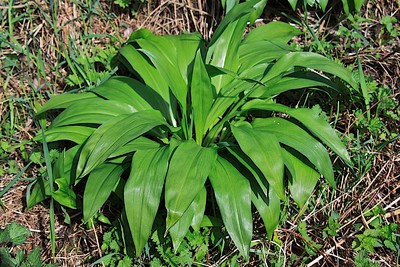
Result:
[164,56]
[308,60]
[293,4]
[179,230]
[99,186]
[233,194]
[64,101]
[296,80]
[303,178]
[229,4]
[266,201]
[250,7]
[199,212]
[264,150]
[70,160]
[350,5]
[188,170]
[311,120]
[186,46]
[293,136]
[74,133]
[258,52]
[225,52]
[64,194]
[275,31]
[146,70]
[40,191]
[93,111]
[103,142]
[268,205]
[202,95]
[140,143]
[323,4]
[142,192]
[132,92]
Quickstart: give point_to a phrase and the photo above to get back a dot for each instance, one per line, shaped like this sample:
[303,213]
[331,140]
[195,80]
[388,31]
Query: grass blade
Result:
[13,181]
[51,181]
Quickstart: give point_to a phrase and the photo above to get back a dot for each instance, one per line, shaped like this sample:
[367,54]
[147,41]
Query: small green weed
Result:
[362,260]
[14,235]
[310,246]
[113,248]
[333,225]
[380,235]
[389,23]
[193,249]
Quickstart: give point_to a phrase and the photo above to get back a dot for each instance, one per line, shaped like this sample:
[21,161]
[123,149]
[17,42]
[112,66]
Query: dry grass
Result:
[42,33]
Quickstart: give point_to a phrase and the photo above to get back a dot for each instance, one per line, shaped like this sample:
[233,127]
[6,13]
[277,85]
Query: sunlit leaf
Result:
[233,193]
[188,170]
[264,150]
[99,186]
[142,192]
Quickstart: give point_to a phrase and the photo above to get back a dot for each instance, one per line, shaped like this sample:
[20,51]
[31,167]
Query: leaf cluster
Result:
[194,132]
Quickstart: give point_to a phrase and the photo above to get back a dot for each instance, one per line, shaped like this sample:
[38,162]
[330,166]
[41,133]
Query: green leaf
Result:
[229,4]
[260,52]
[293,4]
[264,150]
[64,101]
[268,205]
[142,192]
[186,45]
[64,194]
[199,212]
[358,4]
[102,143]
[95,111]
[233,193]
[129,91]
[74,133]
[164,56]
[303,178]
[275,31]
[140,143]
[250,7]
[179,230]
[14,233]
[202,95]
[151,77]
[266,201]
[297,80]
[40,191]
[188,170]
[311,120]
[99,186]
[225,52]
[293,136]
[323,4]
[308,60]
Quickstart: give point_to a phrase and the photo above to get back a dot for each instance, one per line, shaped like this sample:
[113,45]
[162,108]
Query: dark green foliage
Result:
[183,130]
